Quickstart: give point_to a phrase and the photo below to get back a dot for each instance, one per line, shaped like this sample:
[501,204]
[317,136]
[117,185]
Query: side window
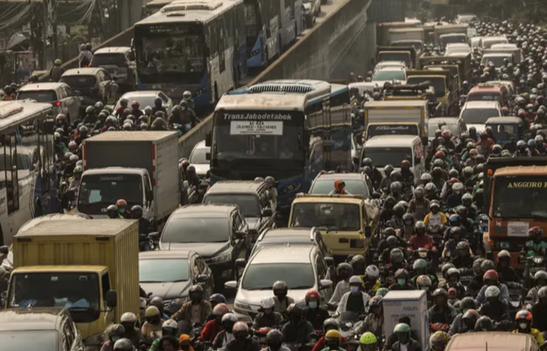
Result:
[147,186]
[105,282]
[237,222]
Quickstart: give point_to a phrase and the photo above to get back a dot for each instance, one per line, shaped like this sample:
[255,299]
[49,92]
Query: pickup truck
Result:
[139,167]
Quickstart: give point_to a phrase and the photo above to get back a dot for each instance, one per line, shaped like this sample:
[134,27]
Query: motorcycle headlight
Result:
[538,259]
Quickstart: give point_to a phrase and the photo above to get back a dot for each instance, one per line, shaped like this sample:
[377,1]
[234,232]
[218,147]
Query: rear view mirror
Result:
[111,298]
[230,285]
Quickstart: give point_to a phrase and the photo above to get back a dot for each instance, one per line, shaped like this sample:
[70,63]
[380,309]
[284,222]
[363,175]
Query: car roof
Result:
[166,254]
[90,71]
[481,104]
[343,176]
[492,341]
[486,88]
[397,103]
[283,254]
[235,186]
[141,93]
[335,198]
[207,210]
[42,86]
[391,68]
[391,140]
[113,49]
[504,120]
[116,170]
[61,225]
[30,319]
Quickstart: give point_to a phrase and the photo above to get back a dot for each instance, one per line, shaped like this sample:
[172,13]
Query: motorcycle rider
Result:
[371,280]
[158,106]
[112,212]
[189,118]
[374,321]
[494,308]
[523,321]
[225,336]
[330,324]
[442,313]
[343,272]
[192,177]
[267,317]
[404,341]
[354,300]
[435,217]
[339,188]
[129,321]
[145,227]
[540,310]
[114,332]
[458,326]
[151,329]
[419,205]
[315,314]
[242,341]
[540,280]
[463,258]
[506,273]
[282,301]
[213,327]
[122,209]
[274,338]
[297,330]
[196,310]
[490,278]
[421,239]
[333,341]
[158,302]
[438,341]
[402,281]
[534,246]
[187,96]
[453,281]
[169,329]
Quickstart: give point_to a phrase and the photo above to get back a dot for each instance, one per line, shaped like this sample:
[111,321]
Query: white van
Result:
[392,150]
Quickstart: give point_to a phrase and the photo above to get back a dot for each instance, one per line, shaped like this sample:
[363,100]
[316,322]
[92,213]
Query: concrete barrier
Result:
[340,44]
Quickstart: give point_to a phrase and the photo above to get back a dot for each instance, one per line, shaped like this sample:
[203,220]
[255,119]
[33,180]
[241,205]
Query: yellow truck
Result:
[345,221]
[88,266]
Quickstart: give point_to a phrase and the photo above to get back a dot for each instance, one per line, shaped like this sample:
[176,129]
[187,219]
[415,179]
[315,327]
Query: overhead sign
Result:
[256,128]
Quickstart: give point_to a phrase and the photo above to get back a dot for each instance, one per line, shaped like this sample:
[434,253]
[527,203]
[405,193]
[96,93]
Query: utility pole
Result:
[53,21]
[44,35]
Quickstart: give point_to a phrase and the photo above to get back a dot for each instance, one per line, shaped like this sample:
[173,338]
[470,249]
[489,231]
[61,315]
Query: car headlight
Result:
[221,258]
[242,307]
[291,188]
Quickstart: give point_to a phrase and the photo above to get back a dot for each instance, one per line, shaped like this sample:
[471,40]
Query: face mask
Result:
[523,325]
[354,289]
[401,281]
[274,346]
[122,210]
[313,304]
[185,347]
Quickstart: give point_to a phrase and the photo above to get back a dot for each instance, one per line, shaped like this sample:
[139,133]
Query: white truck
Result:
[399,117]
[139,167]
[397,34]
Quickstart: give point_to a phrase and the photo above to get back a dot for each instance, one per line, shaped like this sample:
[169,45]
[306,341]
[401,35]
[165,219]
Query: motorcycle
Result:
[260,336]
[146,243]
[349,321]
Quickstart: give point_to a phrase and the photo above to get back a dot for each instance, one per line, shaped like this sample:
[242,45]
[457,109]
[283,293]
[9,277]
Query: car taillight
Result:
[56,104]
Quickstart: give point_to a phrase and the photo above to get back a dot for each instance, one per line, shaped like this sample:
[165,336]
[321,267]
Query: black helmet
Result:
[440,292]
[483,324]
[420,227]
[112,211]
[158,102]
[196,293]
[330,323]
[467,303]
[90,109]
[274,338]
[281,285]
[408,219]
[396,255]
[136,211]
[399,210]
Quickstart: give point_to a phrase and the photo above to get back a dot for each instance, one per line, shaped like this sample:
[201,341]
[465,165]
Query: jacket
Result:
[481,299]
[342,306]
[273,320]
[210,331]
[320,345]
[434,315]
[341,288]
[222,339]
[185,312]
[297,333]
[539,311]
[413,345]
[457,326]
[535,333]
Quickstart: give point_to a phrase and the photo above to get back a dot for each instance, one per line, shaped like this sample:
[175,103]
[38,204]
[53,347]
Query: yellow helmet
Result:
[333,334]
[58,62]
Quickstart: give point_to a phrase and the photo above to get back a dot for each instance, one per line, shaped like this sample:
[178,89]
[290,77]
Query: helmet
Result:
[196,291]
[535,232]
[341,266]
[90,109]
[229,317]
[330,323]
[267,303]
[492,292]
[136,211]
[440,292]
[540,275]
[477,265]
[396,255]
[333,338]
[402,328]
[382,292]
[445,269]
[452,271]
[438,341]
[368,339]
[484,323]
[463,246]
[420,265]
[158,102]
[294,310]
[128,317]
[158,302]
[187,95]
[78,170]
[313,294]
[401,273]
[115,330]
[123,344]
[240,328]
[467,303]
[220,309]
[372,272]
[281,285]
[542,292]
[487,265]
[274,337]
[524,315]
[355,280]
[218,298]
[376,301]
[151,311]
[112,211]
[504,254]
[169,327]
[388,169]
[423,281]
[490,275]
[472,315]
[58,62]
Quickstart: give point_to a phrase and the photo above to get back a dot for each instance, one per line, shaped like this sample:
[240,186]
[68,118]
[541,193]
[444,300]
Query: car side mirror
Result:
[154,236]
[368,232]
[111,298]
[325,284]
[329,261]
[149,195]
[208,156]
[202,278]
[230,285]
[241,262]
[4,250]
[267,212]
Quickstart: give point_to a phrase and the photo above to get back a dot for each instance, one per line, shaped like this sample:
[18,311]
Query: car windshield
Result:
[78,292]
[520,197]
[107,59]
[79,81]
[503,132]
[248,204]
[438,83]
[334,216]
[496,60]
[105,189]
[163,270]
[389,75]
[383,156]
[196,230]
[38,95]
[484,97]
[478,115]
[487,43]
[43,340]
[198,156]
[263,276]
[353,186]
[144,100]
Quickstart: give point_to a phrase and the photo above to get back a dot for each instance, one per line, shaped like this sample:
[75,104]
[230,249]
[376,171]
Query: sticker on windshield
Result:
[518,229]
[256,128]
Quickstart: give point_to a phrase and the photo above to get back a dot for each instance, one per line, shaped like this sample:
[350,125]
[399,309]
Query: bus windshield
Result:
[520,197]
[170,53]
[273,136]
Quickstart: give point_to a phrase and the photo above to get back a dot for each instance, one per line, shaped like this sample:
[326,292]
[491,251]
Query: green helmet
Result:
[419,265]
[382,292]
[368,339]
[402,328]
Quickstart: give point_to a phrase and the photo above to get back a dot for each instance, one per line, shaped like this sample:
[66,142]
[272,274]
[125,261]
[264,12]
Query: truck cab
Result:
[445,88]
[102,187]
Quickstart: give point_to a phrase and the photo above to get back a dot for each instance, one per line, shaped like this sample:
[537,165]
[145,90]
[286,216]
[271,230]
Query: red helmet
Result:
[484,133]
[135,104]
[439,154]
[490,274]
[447,134]
[405,164]
[524,315]
[522,113]
[313,294]
[453,180]
[121,203]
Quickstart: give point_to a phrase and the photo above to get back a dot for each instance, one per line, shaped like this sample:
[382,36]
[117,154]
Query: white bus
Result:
[28,180]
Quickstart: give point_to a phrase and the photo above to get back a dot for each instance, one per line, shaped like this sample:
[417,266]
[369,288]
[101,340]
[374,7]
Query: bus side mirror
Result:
[208,139]
[111,299]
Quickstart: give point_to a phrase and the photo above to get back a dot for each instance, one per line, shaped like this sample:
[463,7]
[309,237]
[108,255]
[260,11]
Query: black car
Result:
[170,274]
[253,199]
[218,233]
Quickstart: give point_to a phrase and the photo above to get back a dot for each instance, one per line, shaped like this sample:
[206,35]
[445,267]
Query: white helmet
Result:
[267,303]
